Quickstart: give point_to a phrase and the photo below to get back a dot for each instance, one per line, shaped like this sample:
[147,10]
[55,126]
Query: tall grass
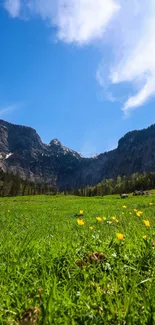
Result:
[56,271]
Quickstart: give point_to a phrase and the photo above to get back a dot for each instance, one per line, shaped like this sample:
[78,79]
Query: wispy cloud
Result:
[13,7]
[79,21]
[7,110]
[127,27]
[136,64]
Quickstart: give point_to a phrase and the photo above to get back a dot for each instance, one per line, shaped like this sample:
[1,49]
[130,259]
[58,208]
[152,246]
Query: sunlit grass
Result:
[97,268]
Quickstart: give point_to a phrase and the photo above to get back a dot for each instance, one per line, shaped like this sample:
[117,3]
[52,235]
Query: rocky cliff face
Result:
[22,151]
[4,146]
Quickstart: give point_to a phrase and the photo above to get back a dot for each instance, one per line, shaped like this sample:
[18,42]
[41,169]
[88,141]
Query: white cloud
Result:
[13,7]
[79,21]
[134,42]
[127,27]
[85,20]
[141,97]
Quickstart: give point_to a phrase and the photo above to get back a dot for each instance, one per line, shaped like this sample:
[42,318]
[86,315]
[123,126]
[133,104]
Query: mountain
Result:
[22,152]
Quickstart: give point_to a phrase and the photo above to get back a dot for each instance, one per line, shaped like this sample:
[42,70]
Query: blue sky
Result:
[80,71]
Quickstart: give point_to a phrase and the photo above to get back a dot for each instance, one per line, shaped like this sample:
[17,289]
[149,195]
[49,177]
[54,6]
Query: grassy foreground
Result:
[60,268]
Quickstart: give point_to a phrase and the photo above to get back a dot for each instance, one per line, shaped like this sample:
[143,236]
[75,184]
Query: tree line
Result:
[14,185]
[122,184]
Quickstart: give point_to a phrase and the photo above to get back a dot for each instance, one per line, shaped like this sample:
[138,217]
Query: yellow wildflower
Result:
[124,206]
[147,223]
[139,213]
[91,227]
[150,203]
[104,218]
[135,210]
[81,212]
[145,237]
[80,222]
[120,236]
[115,219]
[99,219]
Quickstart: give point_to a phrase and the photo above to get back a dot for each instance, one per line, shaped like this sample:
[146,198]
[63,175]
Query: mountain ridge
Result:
[22,151]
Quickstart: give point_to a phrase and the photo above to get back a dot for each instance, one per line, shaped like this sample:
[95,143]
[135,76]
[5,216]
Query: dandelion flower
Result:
[80,222]
[104,218]
[124,206]
[115,219]
[81,212]
[91,227]
[145,237]
[150,203]
[99,219]
[139,213]
[147,223]
[120,236]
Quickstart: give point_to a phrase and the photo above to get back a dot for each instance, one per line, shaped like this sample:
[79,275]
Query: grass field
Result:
[60,267]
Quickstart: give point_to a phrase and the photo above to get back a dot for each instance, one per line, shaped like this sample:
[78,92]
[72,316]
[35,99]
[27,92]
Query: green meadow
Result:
[74,261]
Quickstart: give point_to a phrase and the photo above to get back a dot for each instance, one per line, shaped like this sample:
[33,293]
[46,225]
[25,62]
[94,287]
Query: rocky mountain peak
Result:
[55,142]
[20,138]
[137,137]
